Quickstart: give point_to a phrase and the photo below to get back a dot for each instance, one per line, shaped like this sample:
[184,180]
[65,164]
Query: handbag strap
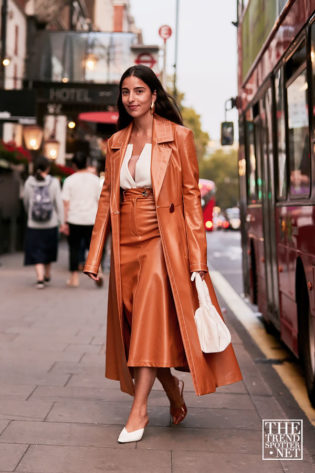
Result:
[202,290]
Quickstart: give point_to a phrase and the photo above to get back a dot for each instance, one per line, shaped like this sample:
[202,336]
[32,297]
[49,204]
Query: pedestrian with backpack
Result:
[44,207]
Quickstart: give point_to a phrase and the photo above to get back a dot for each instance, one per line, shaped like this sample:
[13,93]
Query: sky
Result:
[207,52]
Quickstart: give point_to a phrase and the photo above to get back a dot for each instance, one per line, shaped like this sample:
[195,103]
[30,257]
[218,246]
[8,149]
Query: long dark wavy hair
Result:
[165,105]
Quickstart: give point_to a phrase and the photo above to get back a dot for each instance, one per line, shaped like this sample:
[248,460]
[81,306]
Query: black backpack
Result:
[42,205]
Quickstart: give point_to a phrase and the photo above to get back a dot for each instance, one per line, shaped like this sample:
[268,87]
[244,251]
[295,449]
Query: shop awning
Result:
[99,117]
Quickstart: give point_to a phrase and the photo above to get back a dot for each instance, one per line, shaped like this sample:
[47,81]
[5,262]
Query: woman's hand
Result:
[64,229]
[201,274]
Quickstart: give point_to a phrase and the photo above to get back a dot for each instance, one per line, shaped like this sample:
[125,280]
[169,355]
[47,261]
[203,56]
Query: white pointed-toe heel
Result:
[134,436]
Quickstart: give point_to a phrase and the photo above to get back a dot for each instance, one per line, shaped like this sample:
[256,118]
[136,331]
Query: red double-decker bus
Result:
[276,102]
[207,192]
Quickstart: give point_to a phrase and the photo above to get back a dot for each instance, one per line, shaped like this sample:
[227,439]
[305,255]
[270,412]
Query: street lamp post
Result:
[4,11]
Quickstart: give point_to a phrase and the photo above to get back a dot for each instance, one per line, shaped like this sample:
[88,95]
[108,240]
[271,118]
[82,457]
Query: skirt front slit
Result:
[152,334]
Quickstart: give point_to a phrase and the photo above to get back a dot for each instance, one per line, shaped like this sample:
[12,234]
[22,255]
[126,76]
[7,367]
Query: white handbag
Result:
[214,336]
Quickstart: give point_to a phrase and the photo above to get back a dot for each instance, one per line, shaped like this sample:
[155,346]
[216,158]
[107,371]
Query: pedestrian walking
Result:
[43,204]
[151,201]
[80,195]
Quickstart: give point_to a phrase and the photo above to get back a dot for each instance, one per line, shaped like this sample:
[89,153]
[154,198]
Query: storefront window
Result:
[72,56]
[280,123]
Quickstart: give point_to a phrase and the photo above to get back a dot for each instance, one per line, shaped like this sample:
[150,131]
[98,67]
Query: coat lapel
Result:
[161,135]
[118,146]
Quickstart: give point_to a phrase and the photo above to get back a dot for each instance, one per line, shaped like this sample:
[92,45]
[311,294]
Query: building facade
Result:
[60,67]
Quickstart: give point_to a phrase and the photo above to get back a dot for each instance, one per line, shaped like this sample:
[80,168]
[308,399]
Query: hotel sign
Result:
[76,94]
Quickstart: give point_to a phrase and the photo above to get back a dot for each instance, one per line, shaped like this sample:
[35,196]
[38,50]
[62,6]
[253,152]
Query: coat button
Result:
[172,208]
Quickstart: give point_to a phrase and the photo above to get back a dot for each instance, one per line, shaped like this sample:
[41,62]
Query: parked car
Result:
[233,217]
[220,222]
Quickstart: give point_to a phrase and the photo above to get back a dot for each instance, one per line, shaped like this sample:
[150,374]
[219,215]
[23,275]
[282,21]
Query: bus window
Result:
[251,163]
[280,123]
[298,123]
[258,145]
[299,152]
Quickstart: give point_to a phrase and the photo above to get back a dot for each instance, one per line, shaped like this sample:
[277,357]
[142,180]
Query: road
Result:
[224,255]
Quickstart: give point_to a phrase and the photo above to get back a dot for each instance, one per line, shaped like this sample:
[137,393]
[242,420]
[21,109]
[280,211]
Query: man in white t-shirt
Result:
[80,197]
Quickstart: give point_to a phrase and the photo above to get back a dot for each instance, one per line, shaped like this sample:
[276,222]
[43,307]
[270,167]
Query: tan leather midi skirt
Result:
[152,334]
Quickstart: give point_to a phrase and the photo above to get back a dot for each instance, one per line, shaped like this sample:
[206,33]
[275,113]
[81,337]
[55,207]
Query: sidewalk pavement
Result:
[58,414]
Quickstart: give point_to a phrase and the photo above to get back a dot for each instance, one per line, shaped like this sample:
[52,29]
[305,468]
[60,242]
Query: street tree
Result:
[192,120]
[221,168]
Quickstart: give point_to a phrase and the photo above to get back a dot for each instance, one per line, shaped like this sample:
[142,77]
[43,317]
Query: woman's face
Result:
[136,96]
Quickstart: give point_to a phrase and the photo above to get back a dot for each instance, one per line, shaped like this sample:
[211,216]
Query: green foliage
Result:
[192,121]
[221,168]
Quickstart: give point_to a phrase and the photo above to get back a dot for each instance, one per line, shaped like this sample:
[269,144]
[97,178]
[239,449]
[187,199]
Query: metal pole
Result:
[71,16]
[4,10]
[164,65]
[176,50]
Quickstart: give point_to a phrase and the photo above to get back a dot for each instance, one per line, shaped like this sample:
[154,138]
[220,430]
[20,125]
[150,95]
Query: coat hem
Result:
[136,364]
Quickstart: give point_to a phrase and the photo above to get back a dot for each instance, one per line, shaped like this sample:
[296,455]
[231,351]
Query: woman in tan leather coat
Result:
[151,202]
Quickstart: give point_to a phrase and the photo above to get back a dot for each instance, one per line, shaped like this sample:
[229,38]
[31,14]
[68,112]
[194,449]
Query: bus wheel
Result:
[307,340]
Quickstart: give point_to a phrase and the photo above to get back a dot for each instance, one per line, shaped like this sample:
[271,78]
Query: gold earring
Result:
[152,107]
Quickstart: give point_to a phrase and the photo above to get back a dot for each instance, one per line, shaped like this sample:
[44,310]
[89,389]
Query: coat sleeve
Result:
[196,235]
[101,224]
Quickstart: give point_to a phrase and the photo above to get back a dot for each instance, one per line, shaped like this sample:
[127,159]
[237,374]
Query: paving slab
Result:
[115,413]
[56,393]
[157,397]
[188,462]
[24,377]
[82,349]
[64,416]
[3,424]
[10,455]
[177,438]
[304,466]
[14,391]
[268,407]
[24,410]
[99,412]
[54,433]
[46,459]
[252,378]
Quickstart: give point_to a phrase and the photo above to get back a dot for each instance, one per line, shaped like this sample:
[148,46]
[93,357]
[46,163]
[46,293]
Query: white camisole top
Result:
[142,171]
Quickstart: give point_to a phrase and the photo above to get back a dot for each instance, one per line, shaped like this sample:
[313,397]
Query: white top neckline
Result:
[142,168]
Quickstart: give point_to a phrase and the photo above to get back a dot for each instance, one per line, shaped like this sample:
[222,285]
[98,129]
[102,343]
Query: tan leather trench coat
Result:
[174,172]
